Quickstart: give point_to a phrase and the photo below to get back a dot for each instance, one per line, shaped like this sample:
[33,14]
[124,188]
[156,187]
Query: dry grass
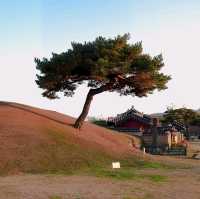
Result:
[33,140]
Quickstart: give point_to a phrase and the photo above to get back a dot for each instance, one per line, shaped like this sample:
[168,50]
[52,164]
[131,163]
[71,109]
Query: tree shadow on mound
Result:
[35,113]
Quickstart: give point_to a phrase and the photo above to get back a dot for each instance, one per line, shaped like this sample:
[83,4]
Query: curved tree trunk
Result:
[84,113]
[79,122]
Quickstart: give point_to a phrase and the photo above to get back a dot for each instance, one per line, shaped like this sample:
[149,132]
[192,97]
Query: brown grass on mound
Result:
[37,140]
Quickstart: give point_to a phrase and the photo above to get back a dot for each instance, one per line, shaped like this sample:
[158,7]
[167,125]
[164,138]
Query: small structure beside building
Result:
[164,139]
[194,132]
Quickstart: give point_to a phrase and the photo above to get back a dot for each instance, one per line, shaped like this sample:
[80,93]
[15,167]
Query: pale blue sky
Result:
[36,28]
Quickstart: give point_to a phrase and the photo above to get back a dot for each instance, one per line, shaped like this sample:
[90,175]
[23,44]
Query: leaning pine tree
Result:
[105,65]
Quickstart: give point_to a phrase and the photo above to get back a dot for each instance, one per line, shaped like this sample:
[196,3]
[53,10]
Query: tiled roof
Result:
[179,126]
[131,114]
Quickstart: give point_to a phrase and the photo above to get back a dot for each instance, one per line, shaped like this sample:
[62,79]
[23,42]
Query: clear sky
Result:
[36,28]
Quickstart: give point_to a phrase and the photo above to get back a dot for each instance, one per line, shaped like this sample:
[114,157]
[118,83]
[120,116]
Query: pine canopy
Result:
[105,64]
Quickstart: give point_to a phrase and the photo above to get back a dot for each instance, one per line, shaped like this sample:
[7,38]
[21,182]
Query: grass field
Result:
[126,183]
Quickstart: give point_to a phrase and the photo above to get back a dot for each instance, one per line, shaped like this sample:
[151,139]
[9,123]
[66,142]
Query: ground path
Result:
[180,183]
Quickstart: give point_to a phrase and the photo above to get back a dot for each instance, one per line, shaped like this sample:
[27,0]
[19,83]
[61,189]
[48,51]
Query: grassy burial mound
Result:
[34,140]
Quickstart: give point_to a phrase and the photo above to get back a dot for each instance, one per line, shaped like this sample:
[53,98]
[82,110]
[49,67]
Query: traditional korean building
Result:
[131,120]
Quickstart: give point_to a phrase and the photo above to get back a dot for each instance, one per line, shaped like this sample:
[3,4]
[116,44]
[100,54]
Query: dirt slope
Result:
[36,140]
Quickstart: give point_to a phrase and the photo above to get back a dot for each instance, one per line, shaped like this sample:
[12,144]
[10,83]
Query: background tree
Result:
[183,115]
[196,120]
[105,65]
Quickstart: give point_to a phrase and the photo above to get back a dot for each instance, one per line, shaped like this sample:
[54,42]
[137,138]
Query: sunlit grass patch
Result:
[55,197]
[126,174]
[146,196]
[118,174]
[156,178]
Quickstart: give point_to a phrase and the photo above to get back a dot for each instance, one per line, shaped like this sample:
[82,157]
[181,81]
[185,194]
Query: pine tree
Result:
[106,65]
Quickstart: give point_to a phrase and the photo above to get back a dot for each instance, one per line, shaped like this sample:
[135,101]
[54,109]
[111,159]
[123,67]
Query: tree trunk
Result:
[79,122]
[84,113]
